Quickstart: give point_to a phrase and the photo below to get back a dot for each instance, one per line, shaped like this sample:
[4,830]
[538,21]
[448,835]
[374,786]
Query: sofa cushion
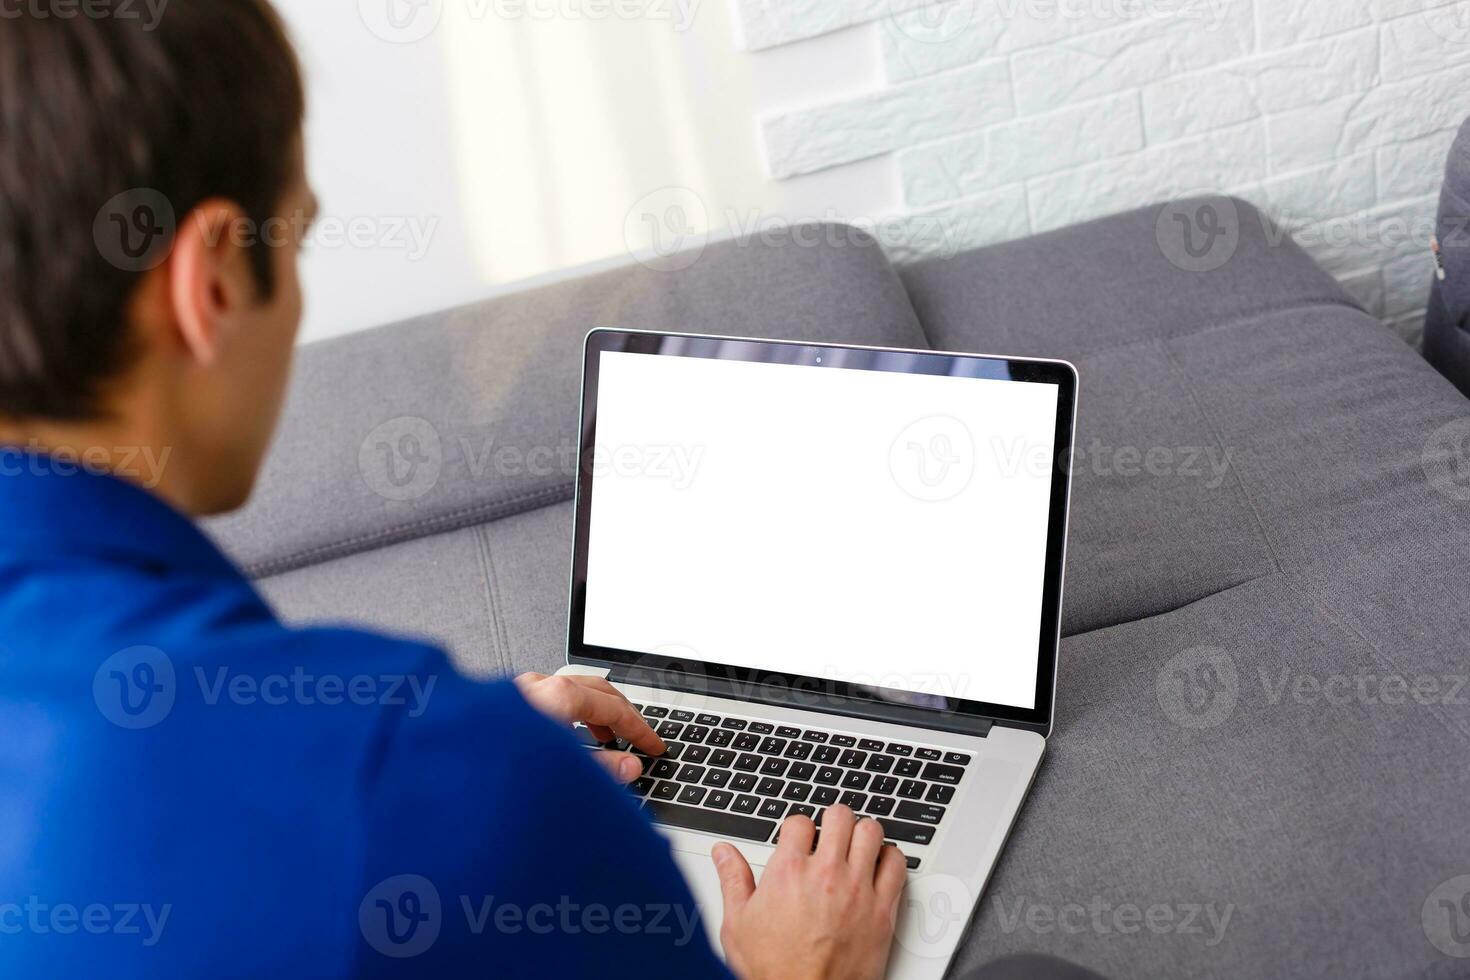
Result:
[465,416]
[1159,516]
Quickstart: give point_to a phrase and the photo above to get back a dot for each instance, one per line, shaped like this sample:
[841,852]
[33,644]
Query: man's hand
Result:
[602,708]
[817,915]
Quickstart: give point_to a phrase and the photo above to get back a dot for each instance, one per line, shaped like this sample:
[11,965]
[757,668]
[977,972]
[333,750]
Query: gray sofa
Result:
[1268,541]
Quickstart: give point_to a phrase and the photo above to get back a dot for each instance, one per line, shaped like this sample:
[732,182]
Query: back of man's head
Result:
[115,123]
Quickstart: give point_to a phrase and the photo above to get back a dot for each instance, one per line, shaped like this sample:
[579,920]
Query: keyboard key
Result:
[696,753]
[669,730]
[696,733]
[829,776]
[898,748]
[770,786]
[908,768]
[936,773]
[693,795]
[654,711]
[814,736]
[912,861]
[880,763]
[786,731]
[772,809]
[641,786]
[711,821]
[908,833]
[663,769]
[843,741]
[854,800]
[798,750]
[801,810]
[855,780]
[743,782]
[748,762]
[803,771]
[774,767]
[881,806]
[797,791]
[747,742]
[718,778]
[772,746]
[723,758]
[911,789]
[940,794]
[762,728]
[665,791]
[745,804]
[920,812]
[636,705]
[929,755]
[826,754]
[885,784]
[720,737]
[719,799]
[957,758]
[870,745]
[673,750]
[824,795]
[690,774]
[708,719]
[734,724]
[677,715]
[852,759]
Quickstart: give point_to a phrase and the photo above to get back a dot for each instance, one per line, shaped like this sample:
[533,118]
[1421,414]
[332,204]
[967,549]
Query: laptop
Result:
[827,574]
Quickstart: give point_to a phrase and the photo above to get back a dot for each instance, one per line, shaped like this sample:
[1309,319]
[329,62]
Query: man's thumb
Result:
[736,880]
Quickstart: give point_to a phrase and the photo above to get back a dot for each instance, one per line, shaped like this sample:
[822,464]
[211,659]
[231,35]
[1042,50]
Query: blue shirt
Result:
[190,788]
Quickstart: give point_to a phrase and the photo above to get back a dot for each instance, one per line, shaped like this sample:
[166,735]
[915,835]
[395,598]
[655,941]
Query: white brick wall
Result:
[1005,118]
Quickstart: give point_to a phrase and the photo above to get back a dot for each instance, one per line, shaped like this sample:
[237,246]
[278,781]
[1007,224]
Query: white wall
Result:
[523,138]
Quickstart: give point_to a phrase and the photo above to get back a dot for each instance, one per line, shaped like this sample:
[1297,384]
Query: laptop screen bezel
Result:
[1060,373]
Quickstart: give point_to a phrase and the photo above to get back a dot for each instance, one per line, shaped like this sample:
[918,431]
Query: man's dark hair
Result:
[204,102]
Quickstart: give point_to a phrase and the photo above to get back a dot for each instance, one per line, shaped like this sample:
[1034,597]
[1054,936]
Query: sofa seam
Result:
[1218,435]
[1174,609]
[452,521]
[492,602]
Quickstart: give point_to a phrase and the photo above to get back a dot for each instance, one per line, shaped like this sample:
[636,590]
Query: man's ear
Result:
[210,278]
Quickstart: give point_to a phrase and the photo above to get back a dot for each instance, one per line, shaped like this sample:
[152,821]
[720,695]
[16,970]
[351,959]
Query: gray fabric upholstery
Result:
[1197,771]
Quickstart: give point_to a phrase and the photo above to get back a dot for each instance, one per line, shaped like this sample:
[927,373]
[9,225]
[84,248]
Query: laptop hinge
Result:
[814,699]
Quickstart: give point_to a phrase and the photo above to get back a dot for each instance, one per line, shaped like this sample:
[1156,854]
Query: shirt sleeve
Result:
[497,847]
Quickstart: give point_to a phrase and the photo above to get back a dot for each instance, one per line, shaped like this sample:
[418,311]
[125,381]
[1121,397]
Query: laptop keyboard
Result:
[740,777]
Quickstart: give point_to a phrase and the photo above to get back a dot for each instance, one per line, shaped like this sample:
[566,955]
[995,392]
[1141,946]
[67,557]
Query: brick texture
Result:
[1010,117]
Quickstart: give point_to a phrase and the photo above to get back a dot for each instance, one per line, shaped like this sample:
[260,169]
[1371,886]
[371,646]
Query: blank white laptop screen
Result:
[879,528]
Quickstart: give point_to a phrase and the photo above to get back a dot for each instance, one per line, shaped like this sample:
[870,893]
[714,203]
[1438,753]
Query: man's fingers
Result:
[585,699]
[737,882]
[867,841]
[891,876]
[836,832]
[797,834]
[624,766]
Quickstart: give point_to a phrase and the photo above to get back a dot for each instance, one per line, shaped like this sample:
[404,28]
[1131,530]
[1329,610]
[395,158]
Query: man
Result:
[174,800]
